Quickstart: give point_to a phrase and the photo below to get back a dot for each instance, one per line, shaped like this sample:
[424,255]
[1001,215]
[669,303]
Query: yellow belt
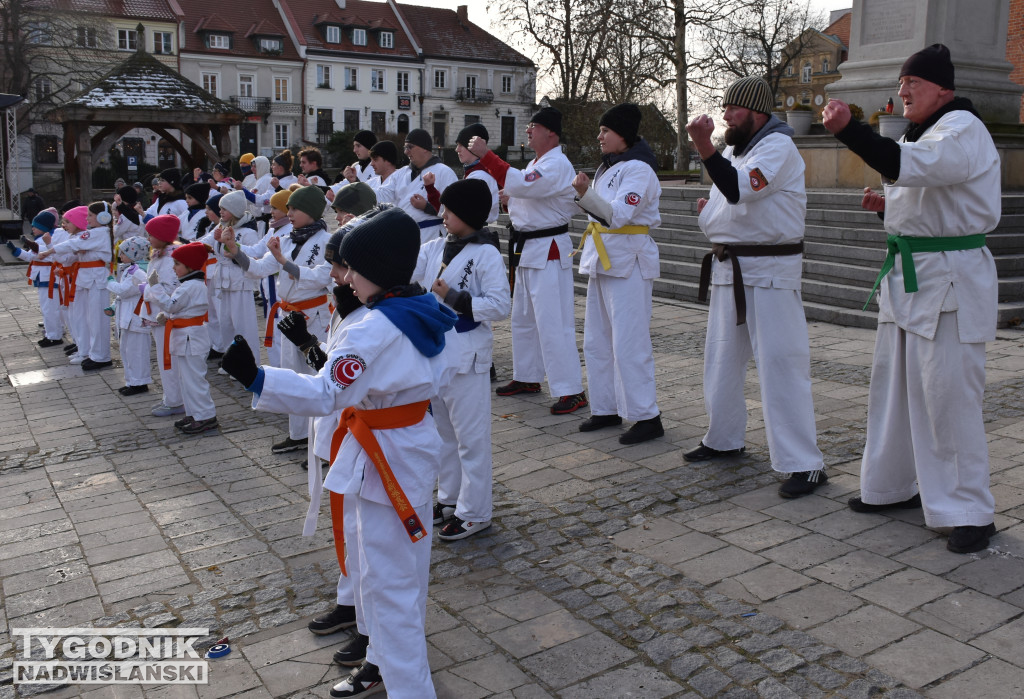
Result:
[596,229]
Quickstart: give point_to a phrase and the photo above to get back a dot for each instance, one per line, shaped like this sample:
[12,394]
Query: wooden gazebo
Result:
[143,93]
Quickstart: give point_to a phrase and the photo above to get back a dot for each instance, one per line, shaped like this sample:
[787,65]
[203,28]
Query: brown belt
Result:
[724,251]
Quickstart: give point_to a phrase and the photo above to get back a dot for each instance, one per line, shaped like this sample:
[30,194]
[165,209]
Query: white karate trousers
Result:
[390,575]
[543,327]
[168,377]
[775,335]
[617,347]
[463,420]
[236,315]
[925,427]
[195,390]
[213,319]
[53,328]
[94,324]
[135,355]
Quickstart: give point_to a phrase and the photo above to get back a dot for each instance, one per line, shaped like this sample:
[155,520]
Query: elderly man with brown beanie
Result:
[937,303]
[416,188]
[755,222]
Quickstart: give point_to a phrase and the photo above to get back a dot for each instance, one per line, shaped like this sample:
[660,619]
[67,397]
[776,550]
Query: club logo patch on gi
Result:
[84,235]
[532,176]
[347,369]
[757,180]
[632,198]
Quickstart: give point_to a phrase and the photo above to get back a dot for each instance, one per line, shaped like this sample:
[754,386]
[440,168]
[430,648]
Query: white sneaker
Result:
[77,358]
[161,409]
[458,528]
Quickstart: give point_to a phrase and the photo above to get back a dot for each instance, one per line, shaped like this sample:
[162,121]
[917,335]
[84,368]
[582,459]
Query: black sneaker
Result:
[597,422]
[802,483]
[71,349]
[341,617]
[187,420]
[643,431]
[47,342]
[352,653]
[968,539]
[704,453]
[133,390]
[569,404]
[90,365]
[442,513]
[515,387]
[288,444]
[858,505]
[200,426]
[364,681]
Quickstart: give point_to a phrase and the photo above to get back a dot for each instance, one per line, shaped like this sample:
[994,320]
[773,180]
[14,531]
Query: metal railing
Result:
[474,94]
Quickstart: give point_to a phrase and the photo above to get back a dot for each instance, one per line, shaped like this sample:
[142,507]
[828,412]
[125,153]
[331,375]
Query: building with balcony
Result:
[816,64]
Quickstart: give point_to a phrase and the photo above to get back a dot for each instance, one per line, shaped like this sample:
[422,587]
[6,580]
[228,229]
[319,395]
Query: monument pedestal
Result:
[884,33]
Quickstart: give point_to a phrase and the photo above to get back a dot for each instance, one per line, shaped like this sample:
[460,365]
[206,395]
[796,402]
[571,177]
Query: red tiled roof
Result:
[440,33]
[357,13]
[134,9]
[841,29]
[244,18]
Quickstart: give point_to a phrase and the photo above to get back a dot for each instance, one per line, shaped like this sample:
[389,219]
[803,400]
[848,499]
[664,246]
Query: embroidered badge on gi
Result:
[632,198]
[347,369]
[757,180]
[532,176]
[84,235]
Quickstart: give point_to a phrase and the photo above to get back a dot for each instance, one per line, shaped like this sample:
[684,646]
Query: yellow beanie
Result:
[280,200]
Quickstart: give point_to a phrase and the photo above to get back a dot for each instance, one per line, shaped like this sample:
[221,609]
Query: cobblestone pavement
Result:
[610,571]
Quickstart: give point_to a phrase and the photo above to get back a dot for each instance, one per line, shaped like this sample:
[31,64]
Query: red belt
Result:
[287,306]
[360,422]
[173,323]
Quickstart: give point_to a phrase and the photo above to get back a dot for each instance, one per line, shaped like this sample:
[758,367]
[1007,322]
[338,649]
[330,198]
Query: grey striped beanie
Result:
[750,92]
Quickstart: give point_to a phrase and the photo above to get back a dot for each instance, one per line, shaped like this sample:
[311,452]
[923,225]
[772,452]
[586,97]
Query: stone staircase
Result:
[844,249]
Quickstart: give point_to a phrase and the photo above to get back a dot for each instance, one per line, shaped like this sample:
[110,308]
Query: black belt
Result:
[724,251]
[516,240]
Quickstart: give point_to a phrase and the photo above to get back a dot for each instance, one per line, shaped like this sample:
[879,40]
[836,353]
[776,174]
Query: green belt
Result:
[907,245]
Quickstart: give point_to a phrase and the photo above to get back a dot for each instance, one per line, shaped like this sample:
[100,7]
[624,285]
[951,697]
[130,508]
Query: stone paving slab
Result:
[609,570]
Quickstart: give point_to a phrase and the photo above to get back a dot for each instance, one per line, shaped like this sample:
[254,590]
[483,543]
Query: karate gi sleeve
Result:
[496,301]
[126,288]
[758,175]
[939,158]
[319,274]
[634,187]
[540,180]
[262,267]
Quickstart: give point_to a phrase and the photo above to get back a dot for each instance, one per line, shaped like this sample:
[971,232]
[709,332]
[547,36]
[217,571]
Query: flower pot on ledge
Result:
[892,126]
[800,121]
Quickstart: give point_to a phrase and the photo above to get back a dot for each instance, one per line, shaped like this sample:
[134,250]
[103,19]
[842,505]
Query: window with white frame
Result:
[87,37]
[219,41]
[440,79]
[281,136]
[359,37]
[210,82]
[323,76]
[246,85]
[42,87]
[805,73]
[281,89]
[162,43]
[127,40]
[271,46]
[351,79]
[377,80]
[333,35]
[387,40]
[506,84]
[402,81]
[39,33]
[789,70]
[824,65]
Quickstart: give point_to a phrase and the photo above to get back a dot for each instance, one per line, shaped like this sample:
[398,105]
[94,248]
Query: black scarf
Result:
[198,274]
[163,199]
[299,236]
[453,245]
[128,212]
[363,163]
[400,291]
[415,171]
[915,131]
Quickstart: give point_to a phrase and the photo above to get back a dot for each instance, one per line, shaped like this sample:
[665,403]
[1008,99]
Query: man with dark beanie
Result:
[467,273]
[416,188]
[755,222]
[384,157]
[384,373]
[361,170]
[543,318]
[622,262]
[937,300]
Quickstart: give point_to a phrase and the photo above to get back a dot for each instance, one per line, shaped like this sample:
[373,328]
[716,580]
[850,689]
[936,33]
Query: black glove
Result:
[294,328]
[239,362]
[316,357]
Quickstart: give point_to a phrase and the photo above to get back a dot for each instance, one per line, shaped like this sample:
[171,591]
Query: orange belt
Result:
[33,263]
[360,422]
[57,271]
[209,261]
[69,279]
[287,306]
[138,308]
[173,323]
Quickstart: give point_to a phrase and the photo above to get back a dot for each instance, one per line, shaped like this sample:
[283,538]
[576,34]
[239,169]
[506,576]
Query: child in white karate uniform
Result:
[133,336]
[38,274]
[161,282]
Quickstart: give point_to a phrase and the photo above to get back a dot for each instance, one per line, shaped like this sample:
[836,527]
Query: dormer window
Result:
[271,46]
[387,40]
[219,41]
[359,37]
[333,35]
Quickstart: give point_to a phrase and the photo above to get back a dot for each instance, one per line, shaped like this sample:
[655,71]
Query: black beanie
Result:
[387,150]
[128,195]
[419,137]
[284,159]
[469,132]
[932,64]
[200,191]
[550,118]
[222,168]
[213,204]
[172,176]
[383,248]
[365,138]
[470,200]
[623,119]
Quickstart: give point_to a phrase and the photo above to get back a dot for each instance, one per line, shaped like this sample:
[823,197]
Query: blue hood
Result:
[420,318]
